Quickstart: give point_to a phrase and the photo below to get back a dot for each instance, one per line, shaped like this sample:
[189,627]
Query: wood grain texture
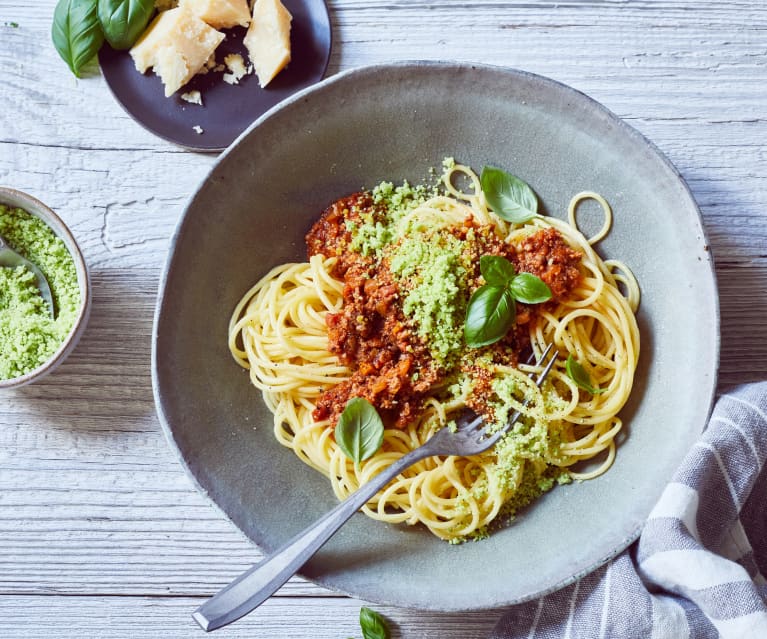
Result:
[283,618]
[101,532]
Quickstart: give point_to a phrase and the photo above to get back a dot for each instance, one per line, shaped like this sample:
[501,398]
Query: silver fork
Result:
[259,583]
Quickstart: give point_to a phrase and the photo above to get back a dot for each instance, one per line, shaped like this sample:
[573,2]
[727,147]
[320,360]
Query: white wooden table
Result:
[101,532]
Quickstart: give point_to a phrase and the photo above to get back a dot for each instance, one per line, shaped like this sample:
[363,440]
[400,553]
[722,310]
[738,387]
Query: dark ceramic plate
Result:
[353,130]
[227,109]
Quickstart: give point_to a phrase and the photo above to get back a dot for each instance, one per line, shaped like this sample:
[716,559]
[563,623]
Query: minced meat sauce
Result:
[392,366]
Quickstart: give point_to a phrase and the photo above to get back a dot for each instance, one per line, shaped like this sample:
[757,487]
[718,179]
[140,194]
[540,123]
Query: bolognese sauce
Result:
[392,365]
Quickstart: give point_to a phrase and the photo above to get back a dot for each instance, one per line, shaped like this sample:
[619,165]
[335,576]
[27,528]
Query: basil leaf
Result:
[123,21]
[578,374]
[76,32]
[359,431]
[491,313]
[510,198]
[373,624]
[496,270]
[529,289]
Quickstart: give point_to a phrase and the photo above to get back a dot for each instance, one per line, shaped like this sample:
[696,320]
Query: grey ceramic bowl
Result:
[394,122]
[14,198]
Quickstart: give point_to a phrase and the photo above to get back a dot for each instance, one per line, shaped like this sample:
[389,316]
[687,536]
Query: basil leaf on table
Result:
[529,289]
[496,270]
[509,197]
[359,432]
[123,21]
[491,313]
[373,625]
[578,374]
[76,32]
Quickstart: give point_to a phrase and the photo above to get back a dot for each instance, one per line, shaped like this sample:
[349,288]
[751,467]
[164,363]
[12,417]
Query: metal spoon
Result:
[10,258]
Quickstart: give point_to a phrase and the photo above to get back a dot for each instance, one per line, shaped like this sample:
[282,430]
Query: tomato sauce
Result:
[391,364]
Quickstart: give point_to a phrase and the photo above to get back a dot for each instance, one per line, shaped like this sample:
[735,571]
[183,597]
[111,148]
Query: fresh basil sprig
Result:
[373,624]
[359,432]
[76,32]
[123,21]
[578,374]
[492,308]
[491,313]
[529,289]
[509,197]
[497,271]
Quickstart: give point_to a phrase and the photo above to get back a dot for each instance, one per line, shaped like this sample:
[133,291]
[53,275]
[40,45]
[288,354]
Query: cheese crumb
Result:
[193,97]
[198,129]
[236,66]
[268,39]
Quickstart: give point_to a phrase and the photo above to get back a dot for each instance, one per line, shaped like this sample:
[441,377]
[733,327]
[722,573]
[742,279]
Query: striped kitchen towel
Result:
[697,570]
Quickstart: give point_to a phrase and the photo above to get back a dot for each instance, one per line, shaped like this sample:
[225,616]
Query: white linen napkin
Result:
[696,571]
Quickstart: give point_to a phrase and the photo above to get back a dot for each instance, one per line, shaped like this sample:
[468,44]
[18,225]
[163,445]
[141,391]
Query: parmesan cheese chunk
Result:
[177,45]
[220,14]
[268,39]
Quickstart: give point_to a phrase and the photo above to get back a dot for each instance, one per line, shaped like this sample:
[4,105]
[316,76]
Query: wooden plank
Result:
[111,526]
[92,500]
[284,618]
[691,58]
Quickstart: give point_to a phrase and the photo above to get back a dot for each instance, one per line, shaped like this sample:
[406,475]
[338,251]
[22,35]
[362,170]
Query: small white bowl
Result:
[17,199]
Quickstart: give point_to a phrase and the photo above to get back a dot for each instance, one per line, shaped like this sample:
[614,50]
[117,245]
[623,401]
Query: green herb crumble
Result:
[28,333]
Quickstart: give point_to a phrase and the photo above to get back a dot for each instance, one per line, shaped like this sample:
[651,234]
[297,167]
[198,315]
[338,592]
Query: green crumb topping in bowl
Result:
[427,262]
[430,267]
[395,202]
[29,336]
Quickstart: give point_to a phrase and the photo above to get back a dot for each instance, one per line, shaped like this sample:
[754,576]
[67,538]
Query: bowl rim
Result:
[511,72]
[15,198]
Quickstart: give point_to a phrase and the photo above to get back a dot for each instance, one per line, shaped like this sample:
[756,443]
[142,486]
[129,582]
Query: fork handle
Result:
[261,581]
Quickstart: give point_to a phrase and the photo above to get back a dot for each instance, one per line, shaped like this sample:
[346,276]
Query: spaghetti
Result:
[283,331]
